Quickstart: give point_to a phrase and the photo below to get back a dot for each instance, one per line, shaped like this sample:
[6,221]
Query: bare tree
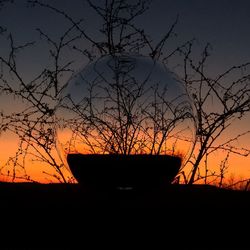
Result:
[127,106]
[134,117]
[33,125]
[136,114]
[219,103]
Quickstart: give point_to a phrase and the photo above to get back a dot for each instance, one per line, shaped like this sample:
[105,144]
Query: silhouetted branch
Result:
[133,118]
[232,98]
[71,20]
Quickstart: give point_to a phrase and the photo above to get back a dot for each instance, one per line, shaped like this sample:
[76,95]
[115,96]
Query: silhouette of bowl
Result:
[111,171]
[120,119]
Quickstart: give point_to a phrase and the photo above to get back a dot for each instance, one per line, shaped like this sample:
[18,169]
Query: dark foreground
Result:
[190,217]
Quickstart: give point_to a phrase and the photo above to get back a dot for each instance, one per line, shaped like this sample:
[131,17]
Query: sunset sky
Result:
[222,23]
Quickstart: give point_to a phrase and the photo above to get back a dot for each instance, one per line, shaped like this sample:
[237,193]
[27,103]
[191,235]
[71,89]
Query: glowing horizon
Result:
[238,166]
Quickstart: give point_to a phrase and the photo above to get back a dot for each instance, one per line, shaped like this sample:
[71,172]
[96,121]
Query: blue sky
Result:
[223,23]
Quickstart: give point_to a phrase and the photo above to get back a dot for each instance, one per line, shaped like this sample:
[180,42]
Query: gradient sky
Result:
[223,23]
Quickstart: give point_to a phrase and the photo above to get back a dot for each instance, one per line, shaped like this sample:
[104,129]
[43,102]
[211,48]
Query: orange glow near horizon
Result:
[238,166]
[36,170]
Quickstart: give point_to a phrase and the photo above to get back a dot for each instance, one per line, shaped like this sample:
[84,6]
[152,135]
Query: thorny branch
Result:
[227,94]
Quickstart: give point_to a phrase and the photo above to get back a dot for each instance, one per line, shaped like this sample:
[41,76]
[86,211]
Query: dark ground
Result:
[185,217]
